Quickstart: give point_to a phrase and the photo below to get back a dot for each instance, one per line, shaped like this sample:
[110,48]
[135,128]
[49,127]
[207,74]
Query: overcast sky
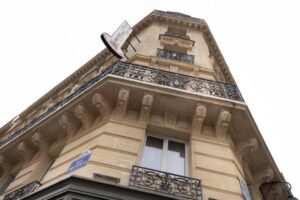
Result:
[42,42]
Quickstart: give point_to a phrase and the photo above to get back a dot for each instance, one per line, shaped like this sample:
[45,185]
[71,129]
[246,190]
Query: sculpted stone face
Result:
[226,116]
[97,99]
[147,103]
[80,111]
[200,112]
[36,139]
[123,96]
[21,148]
[84,115]
[64,121]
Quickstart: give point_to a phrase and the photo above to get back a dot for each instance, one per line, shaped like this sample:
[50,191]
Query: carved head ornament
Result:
[80,111]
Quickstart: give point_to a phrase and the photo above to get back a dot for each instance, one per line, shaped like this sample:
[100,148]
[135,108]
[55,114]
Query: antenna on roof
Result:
[115,42]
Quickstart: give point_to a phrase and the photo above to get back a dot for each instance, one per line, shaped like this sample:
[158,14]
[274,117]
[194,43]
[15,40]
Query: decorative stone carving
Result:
[263,176]
[245,147]
[69,124]
[170,120]
[103,106]
[74,87]
[222,124]
[40,141]
[84,115]
[25,151]
[275,192]
[122,102]
[5,166]
[200,113]
[146,107]
[57,146]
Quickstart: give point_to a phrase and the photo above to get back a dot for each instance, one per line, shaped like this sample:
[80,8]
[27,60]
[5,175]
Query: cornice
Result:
[92,63]
[155,16]
[264,147]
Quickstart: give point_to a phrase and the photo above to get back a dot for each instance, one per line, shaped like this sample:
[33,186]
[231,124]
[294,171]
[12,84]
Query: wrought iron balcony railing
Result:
[165,182]
[22,192]
[173,34]
[175,55]
[143,74]
[178,81]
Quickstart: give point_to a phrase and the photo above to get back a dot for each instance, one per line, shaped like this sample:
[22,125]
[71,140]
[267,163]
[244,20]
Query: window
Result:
[165,155]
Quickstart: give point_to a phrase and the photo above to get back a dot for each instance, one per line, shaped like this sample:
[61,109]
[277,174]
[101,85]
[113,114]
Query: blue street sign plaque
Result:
[245,190]
[80,162]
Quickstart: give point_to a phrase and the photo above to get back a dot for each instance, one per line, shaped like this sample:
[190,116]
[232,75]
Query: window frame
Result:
[164,158]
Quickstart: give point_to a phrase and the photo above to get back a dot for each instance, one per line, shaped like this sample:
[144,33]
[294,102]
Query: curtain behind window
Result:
[176,158]
[152,156]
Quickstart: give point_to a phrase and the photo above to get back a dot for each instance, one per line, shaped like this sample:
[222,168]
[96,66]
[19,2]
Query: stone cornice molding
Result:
[156,15]
[90,65]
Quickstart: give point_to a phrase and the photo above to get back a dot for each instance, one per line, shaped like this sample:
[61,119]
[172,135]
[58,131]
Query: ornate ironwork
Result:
[144,74]
[175,55]
[22,192]
[173,34]
[178,81]
[165,182]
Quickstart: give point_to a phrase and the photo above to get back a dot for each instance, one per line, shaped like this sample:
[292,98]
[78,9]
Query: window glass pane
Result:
[152,153]
[176,158]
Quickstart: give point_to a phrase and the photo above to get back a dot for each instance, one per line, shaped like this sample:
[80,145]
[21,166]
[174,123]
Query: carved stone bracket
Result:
[263,176]
[84,115]
[200,113]
[69,124]
[275,192]
[122,102]
[5,166]
[245,147]
[26,151]
[103,106]
[40,141]
[222,124]
[146,107]
[57,146]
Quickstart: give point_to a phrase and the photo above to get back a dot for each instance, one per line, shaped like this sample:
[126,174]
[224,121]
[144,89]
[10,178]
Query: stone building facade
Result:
[167,122]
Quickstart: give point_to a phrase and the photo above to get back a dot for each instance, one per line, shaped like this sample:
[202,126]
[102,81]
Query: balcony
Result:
[164,182]
[23,191]
[143,74]
[178,81]
[175,55]
[173,34]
